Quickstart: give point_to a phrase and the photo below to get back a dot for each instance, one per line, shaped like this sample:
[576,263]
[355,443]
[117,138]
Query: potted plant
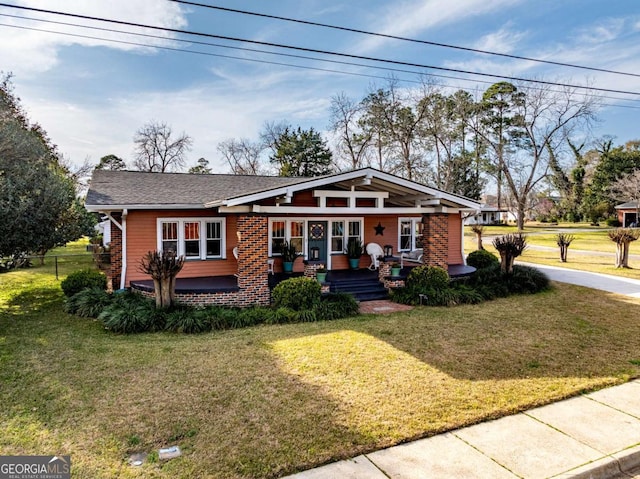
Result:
[395,269]
[354,251]
[289,255]
[321,274]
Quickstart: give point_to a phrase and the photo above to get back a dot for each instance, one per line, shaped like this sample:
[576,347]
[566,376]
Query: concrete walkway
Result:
[594,436]
[604,282]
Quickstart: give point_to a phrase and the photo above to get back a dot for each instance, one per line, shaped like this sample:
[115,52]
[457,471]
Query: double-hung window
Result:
[193,238]
[409,234]
[337,237]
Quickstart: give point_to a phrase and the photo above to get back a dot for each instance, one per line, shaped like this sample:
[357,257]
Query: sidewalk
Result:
[594,436]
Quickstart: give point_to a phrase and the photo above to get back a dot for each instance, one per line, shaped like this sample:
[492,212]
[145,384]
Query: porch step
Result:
[363,289]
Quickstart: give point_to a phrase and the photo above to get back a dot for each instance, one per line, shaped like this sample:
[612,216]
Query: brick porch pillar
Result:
[435,239]
[115,250]
[253,252]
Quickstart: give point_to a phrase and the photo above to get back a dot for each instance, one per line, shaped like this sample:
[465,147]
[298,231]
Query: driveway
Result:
[604,282]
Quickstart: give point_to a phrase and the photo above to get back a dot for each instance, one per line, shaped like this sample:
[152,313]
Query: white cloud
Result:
[415,16]
[604,31]
[30,52]
[209,114]
[504,40]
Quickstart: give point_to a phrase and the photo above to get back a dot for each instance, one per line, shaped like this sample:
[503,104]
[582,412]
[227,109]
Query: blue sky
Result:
[91,95]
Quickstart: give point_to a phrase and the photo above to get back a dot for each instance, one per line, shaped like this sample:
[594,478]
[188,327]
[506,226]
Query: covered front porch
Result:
[363,283]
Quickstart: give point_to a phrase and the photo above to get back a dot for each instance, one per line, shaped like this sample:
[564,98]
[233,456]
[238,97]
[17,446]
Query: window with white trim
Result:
[169,236]
[296,236]
[337,236]
[193,238]
[214,239]
[409,234]
[354,230]
[278,237]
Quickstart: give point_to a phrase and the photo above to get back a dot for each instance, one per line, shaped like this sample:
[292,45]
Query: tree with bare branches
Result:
[353,142]
[157,151]
[622,237]
[163,267]
[243,156]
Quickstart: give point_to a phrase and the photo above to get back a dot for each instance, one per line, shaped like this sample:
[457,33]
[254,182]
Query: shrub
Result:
[83,279]
[428,277]
[283,315]
[336,306]
[222,317]
[255,315]
[128,317]
[88,303]
[297,294]
[482,259]
[613,222]
[187,320]
[526,279]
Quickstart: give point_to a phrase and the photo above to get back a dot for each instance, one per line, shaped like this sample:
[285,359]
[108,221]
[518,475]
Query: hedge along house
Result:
[230,227]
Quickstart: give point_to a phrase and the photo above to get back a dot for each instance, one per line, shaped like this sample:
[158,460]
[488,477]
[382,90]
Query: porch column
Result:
[115,251]
[435,239]
[253,252]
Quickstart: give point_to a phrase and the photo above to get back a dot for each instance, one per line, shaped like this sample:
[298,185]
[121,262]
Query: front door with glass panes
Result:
[317,249]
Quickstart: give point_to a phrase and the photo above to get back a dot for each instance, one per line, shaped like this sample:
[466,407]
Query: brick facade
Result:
[253,253]
[435,239]
[115,248]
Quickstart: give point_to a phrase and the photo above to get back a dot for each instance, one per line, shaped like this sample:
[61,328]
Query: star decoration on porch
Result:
[379,229]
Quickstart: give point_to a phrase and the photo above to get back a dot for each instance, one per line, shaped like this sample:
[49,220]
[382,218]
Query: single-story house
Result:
[230,227]
[628,214]
[488,215]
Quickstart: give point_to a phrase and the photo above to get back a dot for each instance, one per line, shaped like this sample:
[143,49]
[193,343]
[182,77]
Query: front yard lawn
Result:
[270,400]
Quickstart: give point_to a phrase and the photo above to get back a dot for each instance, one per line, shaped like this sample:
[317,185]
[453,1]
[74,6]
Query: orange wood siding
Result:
[142,237]
[455,239]
[389,234]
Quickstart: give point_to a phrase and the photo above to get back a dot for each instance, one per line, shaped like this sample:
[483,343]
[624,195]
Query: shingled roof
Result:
[122,188]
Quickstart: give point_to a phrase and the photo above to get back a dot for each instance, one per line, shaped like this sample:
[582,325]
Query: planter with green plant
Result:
[395,269]
[354,251]
[289,255]
[321,274]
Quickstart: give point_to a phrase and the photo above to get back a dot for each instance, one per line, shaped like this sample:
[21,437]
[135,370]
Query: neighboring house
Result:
[488,215]
[628,214]
[104,228]
[212,218]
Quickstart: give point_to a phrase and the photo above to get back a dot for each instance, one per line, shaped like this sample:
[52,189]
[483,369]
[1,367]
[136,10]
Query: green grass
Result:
[270,400]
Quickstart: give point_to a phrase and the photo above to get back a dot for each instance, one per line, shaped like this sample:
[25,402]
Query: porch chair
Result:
[375,251]
[414,256]
[235,255]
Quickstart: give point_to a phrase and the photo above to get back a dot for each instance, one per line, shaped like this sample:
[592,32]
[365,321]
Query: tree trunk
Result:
[563,253]
[625,255]
[172,290]
[165,288]
[479,240]
[619,255]
[158,292]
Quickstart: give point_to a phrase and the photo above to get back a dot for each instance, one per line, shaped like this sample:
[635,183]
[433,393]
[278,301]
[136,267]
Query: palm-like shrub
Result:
[510,247]
[88,303]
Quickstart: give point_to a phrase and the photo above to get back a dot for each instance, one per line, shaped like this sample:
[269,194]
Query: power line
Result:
[253,50]
[406,39]
[313,50]
[181,50]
